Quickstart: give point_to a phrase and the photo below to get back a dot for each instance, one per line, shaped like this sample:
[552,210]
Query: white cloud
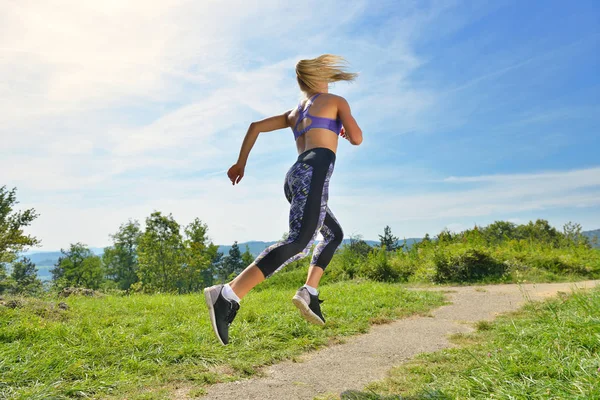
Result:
[257,210]
[493,195]
[114,109]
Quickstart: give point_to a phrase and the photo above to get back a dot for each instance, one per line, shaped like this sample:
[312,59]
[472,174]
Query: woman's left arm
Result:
[236,172]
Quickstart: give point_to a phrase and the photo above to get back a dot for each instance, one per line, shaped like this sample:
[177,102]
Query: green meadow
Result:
[145,331]
[140,345]
[548,350]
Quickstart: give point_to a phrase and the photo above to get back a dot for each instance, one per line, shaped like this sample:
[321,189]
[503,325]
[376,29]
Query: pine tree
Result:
[388,240]
[24,275]
[217,265]
[247,257]
[232,263]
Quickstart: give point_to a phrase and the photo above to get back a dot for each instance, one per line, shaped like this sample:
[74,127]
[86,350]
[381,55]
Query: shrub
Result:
[378,267]
[465,265]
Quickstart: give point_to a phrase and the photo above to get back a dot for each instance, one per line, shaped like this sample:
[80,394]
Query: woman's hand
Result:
[236,173]
[343,133]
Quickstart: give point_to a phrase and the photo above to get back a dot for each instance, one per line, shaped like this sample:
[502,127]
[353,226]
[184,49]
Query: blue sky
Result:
[472,111]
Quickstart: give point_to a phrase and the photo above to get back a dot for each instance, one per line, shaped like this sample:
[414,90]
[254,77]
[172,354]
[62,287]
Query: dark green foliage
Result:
[388,240]
[120,260]
[500,252]
[378,267]
[499,231]
[247,257]
[24,276]
[233,263]
[197,269]
[78,267]
[216,265]
[5,281]
[539,231]
[12,239]
[358,246]
[160,255]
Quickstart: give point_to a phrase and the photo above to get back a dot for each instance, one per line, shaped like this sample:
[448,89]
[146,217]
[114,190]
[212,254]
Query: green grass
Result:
[142,346]
[547,350]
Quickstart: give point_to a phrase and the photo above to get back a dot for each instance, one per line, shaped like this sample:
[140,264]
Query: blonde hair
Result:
[325,68]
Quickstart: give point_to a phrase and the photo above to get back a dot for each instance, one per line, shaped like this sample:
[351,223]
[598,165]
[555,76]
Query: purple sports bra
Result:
[334,125]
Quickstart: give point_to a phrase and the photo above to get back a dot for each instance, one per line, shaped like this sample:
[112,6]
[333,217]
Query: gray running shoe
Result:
[221,311]
[309,306]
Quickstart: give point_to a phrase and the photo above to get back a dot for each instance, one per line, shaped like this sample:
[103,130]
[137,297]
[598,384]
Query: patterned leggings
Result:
[307,189]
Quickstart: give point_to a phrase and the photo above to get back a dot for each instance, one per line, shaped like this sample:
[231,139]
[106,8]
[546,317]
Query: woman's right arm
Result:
[236,172]
[353,131]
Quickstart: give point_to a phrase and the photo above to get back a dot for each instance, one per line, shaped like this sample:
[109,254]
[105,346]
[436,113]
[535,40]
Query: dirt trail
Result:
[365,358]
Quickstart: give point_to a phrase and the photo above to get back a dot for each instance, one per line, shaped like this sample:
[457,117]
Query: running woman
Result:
[316,123]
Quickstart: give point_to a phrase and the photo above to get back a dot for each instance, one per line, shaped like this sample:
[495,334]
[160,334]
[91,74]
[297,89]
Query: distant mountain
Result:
[36,254]
[256,247]
[593,234]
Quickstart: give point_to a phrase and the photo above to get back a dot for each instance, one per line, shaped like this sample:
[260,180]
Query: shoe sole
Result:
[211,313]
[306,312]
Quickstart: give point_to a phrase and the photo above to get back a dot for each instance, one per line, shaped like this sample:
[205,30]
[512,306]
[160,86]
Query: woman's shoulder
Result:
[333,96]
[334,99]
[337,101]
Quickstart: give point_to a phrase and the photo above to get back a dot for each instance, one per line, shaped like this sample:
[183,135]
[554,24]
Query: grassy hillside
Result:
[127,346]
[548,350]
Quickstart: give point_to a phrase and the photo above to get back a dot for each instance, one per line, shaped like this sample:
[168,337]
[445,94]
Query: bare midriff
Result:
[317,137]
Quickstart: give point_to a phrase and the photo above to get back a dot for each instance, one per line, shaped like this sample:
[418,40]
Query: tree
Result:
[539,231]
[79,267]
[6,281]
[120,260]
[216,264]
[12,239]
[359,246]
[199,255]
[388,240]
[233,263]
[214,257]
[247,257]
[499,231]
[445,236]
[161,254]
[573,235]
[24,275]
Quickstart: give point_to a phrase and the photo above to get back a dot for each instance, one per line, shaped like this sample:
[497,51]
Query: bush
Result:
[404,265]
[549,263]
[378,267]
[465,265]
